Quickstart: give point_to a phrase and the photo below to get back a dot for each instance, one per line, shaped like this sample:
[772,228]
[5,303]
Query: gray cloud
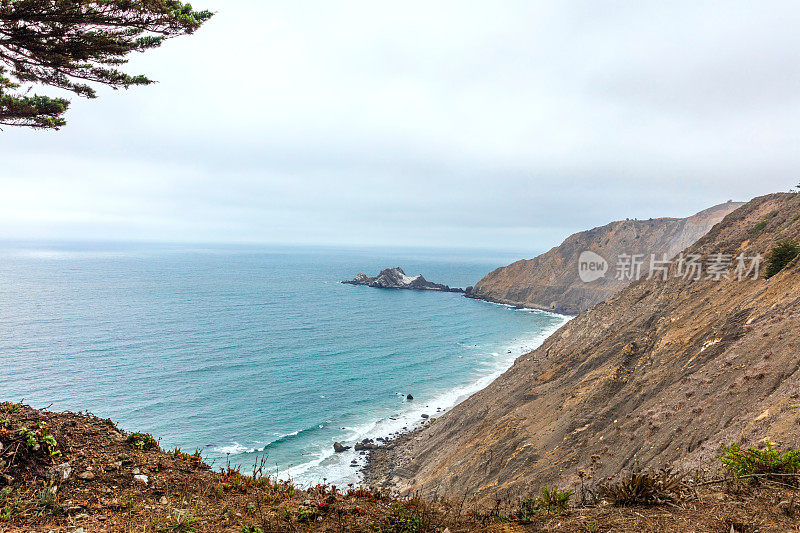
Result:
[503,124]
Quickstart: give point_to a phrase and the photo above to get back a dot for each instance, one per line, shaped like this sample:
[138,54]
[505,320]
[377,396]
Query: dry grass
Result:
[645,487]
[185,495]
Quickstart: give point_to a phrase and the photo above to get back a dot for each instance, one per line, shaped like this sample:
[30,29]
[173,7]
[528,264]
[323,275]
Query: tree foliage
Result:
[73,44]
[780,256]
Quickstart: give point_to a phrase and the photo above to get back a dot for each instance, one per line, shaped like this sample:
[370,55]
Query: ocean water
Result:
[250,352]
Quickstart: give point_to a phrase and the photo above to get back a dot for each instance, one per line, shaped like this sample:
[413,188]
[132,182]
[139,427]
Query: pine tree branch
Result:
[70,44]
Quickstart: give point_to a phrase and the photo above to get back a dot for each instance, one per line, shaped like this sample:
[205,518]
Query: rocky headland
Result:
[550,281]
[395,278]
[663,373]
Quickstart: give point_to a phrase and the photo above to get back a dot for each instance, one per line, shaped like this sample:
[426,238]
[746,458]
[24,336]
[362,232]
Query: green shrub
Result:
[142,441]
[767,463]
[251,529]
[28,436]
[758,228]
[195,457]
[780,256]
[52,446]
[8,407]
[307,515]
[644,487]
[551,501]
[35,440]
[400,521]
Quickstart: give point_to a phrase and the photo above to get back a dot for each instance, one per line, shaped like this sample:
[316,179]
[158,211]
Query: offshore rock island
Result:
[641,410]
[395,278]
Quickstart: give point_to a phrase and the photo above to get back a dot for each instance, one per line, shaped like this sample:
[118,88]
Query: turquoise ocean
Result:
[252,351]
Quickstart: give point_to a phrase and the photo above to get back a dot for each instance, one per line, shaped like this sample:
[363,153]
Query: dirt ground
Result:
[92,477]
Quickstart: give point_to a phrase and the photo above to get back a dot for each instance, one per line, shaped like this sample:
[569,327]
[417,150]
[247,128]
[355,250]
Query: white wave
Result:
[232,449]
[336,468]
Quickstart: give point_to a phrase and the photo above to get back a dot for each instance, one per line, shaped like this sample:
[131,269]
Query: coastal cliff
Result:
[550,281]
[83,474]
[395,278]
[663,373]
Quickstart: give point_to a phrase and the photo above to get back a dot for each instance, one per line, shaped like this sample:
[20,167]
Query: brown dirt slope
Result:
[550,281]
[98,492]
[67,472]
[663,373]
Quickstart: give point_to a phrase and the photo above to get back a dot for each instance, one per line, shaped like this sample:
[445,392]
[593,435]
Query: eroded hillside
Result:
[75,473]
[663,373]
[550,281]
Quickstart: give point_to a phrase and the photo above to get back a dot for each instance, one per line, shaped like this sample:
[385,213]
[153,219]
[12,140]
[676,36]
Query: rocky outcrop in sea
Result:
[395,278]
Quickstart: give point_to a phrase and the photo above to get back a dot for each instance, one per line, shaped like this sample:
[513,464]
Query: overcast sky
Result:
[487,124]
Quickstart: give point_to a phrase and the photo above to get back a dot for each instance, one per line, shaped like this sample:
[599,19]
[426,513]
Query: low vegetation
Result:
[142,441]
[755,464]
[645,487]
[10,506]
[780,256]
[195,457]
[49,501]
[759,227]
[551,501]
[180,522]
[183,495]
[762,225]
[400,520]
[9,407]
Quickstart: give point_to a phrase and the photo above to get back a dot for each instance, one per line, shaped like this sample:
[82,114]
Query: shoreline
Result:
[518,305]
[377,469]
[338,468]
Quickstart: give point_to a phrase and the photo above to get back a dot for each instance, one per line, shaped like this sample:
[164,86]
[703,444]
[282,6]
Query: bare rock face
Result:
[338,447]
[661,374]
[551,281]
[395,278]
